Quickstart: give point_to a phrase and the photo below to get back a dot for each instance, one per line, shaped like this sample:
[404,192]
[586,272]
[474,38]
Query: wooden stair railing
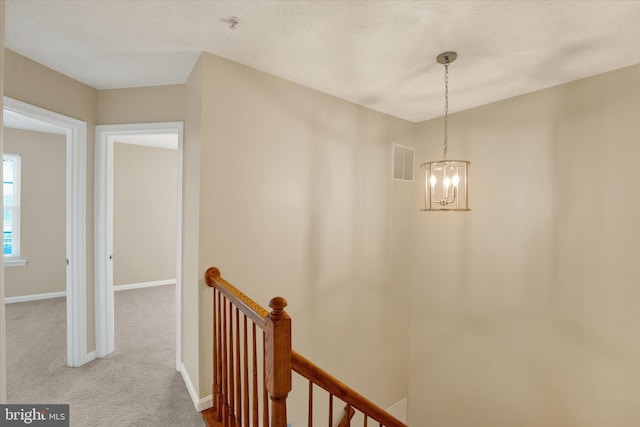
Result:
[252,374]
[335,388]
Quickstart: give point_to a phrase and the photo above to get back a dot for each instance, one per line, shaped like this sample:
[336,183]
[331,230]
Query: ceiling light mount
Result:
[447,57]
[231,21]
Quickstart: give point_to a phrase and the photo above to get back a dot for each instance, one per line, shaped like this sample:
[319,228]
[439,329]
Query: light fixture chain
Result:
[446,109]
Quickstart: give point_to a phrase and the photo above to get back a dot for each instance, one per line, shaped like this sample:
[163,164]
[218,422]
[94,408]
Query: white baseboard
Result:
[90,357]
[399,410]
[35,297]
[200,404]
[144,285]
[204,403]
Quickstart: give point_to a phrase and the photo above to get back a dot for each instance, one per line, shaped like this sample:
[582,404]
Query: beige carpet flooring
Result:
[137,385]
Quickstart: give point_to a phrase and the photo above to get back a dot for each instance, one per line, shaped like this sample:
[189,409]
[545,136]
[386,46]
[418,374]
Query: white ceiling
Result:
[380,54]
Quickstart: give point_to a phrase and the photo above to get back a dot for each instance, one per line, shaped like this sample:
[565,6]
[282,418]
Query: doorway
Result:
[75,132]
[106,137]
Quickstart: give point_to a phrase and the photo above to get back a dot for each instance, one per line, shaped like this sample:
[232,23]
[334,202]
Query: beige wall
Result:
[144,213]
[43,212]
[296,200]
[191,290]
[526,310]
[141,105]
[35,84]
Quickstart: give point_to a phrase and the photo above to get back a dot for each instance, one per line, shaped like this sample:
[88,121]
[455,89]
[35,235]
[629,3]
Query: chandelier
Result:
[446,181]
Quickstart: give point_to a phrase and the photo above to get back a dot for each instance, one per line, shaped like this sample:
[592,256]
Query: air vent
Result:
[403,163]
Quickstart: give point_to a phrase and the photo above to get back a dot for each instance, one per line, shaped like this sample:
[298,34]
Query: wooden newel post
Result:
[278,360]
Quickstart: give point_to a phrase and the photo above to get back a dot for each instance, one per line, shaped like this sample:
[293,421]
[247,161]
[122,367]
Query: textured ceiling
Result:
[380,54]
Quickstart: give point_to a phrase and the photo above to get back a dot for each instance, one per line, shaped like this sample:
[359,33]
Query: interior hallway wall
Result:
[141,105]
[192,335]
[526,310]
[42,213]
[144,213]
[35,84]
[296,199]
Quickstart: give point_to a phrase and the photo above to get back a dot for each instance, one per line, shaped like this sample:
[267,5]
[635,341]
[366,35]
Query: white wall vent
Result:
[403,163]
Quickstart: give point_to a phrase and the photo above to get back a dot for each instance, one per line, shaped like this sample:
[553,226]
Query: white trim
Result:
[15,262]
[200,404]
[90,357]
[34,297]
[106,135]
[76,133]
[399,410]
[179,248]
[104,310]
[143,285]
[16,159]
[204,403]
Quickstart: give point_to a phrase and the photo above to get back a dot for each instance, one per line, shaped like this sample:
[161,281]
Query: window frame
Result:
[14,259]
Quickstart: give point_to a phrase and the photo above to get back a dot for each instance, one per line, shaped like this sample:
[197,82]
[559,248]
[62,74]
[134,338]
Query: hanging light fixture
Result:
[446,181]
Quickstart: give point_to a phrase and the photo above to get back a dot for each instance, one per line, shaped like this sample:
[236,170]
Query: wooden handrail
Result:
[323,379]
[252,309]
[227,387]
[230,389]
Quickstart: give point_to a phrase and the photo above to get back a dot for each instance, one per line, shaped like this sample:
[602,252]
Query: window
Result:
[11,213]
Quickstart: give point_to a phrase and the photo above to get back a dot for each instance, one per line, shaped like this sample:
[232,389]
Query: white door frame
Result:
[76,205]
[105,137]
